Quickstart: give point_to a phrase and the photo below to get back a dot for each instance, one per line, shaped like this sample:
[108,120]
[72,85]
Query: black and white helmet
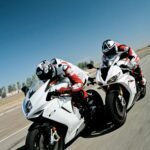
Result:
[109,48]
[45,70]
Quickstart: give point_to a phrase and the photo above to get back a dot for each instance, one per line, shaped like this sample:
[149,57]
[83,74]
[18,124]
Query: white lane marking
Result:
[8,111]
[14,133]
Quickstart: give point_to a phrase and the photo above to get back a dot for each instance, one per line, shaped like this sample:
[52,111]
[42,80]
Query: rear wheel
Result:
[116,108]
[37,140]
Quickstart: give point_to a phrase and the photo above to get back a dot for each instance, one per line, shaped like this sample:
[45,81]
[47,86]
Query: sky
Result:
[73,30]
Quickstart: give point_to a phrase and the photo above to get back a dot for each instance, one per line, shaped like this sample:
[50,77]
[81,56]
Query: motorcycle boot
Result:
[88,109]
[143,82]
[139,77]
[85,105]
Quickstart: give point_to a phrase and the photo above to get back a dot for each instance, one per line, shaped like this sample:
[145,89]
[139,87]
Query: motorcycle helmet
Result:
[109,48]
[45,70]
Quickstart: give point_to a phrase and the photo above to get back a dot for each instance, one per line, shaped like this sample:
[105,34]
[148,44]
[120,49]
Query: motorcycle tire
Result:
[143,93]
[117,112]
[35,141]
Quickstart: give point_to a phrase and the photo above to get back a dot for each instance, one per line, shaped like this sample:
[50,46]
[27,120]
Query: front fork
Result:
[120,96]
[54,135]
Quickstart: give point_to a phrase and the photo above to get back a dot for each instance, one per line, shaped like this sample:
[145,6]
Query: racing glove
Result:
[132,64]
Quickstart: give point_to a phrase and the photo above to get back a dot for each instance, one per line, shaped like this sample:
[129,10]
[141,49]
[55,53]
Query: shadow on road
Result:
[95,131]
[21,148]
[91,132]
[99,131]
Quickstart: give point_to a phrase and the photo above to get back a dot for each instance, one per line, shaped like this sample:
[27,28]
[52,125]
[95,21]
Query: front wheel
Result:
[116,108]
[143,92]
[38,140]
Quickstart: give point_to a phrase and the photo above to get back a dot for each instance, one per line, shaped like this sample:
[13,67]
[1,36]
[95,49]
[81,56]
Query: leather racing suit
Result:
[77,77]
[133,60]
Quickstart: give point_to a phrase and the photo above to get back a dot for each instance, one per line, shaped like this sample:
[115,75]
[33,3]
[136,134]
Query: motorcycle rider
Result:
[111,48]
[57,70]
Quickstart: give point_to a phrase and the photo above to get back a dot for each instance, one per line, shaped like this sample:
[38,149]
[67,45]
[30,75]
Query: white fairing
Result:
[58,109]
[115,75]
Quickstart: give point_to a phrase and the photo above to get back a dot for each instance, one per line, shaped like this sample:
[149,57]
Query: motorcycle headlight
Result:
[28,106]
[113,79]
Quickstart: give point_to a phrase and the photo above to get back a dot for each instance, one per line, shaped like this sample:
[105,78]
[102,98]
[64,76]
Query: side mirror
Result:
[25,89]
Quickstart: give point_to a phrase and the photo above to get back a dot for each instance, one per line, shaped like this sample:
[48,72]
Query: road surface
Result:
[133,135]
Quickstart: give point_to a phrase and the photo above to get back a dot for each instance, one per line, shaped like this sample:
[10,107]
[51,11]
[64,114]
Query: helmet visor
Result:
[110,53]
[45,74]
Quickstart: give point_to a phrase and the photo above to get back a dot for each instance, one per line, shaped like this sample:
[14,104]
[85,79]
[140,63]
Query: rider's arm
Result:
[130,53]
[76,82]
[134,59]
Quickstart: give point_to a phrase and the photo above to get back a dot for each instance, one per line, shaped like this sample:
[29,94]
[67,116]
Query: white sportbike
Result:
[56,119]
[121,88]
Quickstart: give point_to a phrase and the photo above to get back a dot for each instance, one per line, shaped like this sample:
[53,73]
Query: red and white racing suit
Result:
[133,60]
[77,77]
[131,53]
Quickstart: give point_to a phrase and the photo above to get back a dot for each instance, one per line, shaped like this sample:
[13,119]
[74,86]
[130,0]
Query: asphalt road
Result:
[133,135]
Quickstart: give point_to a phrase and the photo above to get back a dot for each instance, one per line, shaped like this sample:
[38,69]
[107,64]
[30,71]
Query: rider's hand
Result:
[50,94]
[55,93]
[132,65]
